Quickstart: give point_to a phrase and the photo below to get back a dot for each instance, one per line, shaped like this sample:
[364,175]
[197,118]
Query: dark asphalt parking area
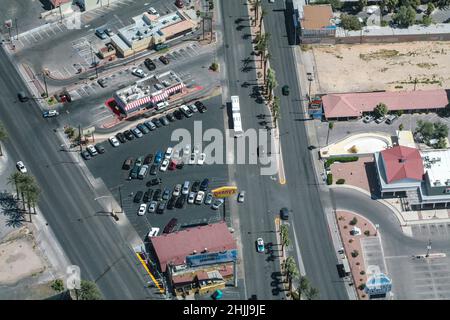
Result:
[108,166]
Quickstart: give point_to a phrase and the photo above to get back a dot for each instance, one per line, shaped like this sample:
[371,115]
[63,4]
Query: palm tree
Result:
[267,56]
[271,82]
[284,235]
[312,293]
[15,179]
[275,110]
[291,270]
[263,14]
[3,136]
[32,192]
[256,5]
[303,286]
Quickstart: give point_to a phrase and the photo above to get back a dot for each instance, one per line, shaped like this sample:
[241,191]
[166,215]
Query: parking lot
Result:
[108,166]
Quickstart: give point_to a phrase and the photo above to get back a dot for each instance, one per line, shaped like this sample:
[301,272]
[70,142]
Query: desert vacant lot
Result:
[397,66]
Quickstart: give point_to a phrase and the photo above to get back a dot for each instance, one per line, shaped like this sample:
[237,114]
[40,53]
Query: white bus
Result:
[237,123]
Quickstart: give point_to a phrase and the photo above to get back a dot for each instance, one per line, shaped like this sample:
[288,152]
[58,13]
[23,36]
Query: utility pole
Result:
[45,84]
[120,199]
[17,30]
[428,248]
[79,136]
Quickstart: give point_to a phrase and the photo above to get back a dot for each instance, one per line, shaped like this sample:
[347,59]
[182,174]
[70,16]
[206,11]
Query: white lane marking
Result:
[297,249]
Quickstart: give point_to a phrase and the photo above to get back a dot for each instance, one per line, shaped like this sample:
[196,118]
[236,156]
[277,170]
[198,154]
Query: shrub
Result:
[426,20]
[58,285]
[331,125]
[354,221]
[350,241]
[362,286]
[329,179]
[384,23]
[331,160]
[214,66]
[367,233]
[401,127]
[353,149]
[349,22]
[362,272]
[405,16]
[340,181]
[355,253]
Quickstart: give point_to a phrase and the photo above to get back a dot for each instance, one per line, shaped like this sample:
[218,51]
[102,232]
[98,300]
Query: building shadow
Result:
[371,173]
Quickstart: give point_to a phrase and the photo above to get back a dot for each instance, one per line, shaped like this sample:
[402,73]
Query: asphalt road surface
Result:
[90,239]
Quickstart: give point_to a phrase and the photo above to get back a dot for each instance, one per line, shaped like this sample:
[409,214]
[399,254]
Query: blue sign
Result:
[211,258]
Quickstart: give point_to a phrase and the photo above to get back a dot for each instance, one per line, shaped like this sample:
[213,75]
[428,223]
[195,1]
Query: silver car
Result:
[152,206]
[137,132]
[241,197]
[216,205]
[209,198]
[191,198]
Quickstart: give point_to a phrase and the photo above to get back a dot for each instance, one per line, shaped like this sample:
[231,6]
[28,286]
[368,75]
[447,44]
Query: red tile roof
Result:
[341,105]
[174,247]
[402,163]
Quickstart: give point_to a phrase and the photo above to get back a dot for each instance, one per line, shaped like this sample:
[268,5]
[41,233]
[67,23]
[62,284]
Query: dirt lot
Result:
[368,67]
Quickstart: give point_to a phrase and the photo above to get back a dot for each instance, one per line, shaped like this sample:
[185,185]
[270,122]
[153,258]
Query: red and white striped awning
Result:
[175,88]
[159,97]
[137,103]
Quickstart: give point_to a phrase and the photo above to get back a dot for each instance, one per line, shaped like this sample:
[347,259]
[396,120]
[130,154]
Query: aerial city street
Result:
[224,150]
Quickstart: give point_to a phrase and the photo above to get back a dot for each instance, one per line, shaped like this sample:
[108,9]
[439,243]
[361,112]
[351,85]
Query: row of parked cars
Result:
[159,199]
[92,151]
[184,111]
[389,119]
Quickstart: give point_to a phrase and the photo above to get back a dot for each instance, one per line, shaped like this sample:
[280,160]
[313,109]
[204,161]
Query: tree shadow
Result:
[9,207]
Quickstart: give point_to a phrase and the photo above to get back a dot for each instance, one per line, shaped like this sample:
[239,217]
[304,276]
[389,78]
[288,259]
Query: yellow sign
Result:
[224,192]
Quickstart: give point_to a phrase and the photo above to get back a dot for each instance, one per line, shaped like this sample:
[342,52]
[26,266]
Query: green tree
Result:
[267,57]
[256,5]
[312,293]
[271,82]
[401,127]
[275,110]
[303,286]
[284,236]
[405,17]
[442,4]
[380,110]
[441,144]
[261,18]
[15,179]
[331,125]
[440,130]
[349,22]
[390,4]
[3,136]
[214,66]
[427,20]
[291,269]
[362,4]
[58,285]
[430,8]
[89,291]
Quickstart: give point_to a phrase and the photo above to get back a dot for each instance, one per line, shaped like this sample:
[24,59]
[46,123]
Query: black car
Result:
[157,123]
[22,96]
[150,64]
[147,195]
[284,213]
[85,155]
[143,128]
[180,165]
[138,197]
[164,121]
[178,114]
[100,148]
[170,226]
[153,169]
[148,159]
[204,185]
[128,135]
[170,117]
[164,60]
[171,203]
[181,201]
[121,137]
[157,195]
[195,186]
[161,207]
[154,182]
[200,106]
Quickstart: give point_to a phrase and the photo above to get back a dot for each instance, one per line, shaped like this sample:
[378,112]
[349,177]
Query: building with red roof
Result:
[354,105]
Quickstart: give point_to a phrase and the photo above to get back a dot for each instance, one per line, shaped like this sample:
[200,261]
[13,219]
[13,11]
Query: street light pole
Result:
[45,84]
[428,248]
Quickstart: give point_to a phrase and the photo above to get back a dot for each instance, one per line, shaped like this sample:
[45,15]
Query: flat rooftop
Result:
[437,165]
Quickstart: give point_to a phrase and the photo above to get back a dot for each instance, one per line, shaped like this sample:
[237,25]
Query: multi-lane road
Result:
[91,240]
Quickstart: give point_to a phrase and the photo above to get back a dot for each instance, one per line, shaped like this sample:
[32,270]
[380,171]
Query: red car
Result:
[172,165]
[179,3]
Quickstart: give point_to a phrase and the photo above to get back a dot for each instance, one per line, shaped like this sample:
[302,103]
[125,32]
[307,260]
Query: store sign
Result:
[224,192]
[211,258]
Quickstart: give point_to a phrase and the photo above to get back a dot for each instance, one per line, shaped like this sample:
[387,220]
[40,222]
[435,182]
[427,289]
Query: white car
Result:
[21,167]
[201,159]
[164,165]
[142,209]
[193,158]
[153,232]
[152,206]
[196,149]
[113,140]
[152,11]
[241,197]
[191,198]
[260,245]
[200,196]
[139,73]
[187,149]
[193,108]
[169,153]
[91,149]
[217,203]
[177,190]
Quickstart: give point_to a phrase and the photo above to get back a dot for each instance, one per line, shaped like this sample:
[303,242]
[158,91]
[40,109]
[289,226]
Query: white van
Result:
[143,172]
[162,105]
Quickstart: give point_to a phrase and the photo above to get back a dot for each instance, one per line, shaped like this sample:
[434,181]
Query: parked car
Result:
[157,195]
[204,184]
[209,198]
[137,132]
[138,197]
[100,33]
[152,11]
[193,108]
[177,190]
[21,167]
[187,150]
[153,169]
[195,186]
[142,209]
[166,194]
[128,135]
[185,189]
[380,119]
[91,149]
[143,171]
[138,73]
[121,137]
[171,202]
[148,159]
[153,232]
[152,206]
[169,153]
[100,148]
[193,158]
[139,161]
[114,142]
[241,196]
[164,121]
[260,245]
[179,3]
[201,159]
[391,118]
[199,198]
[157,123]
[178,114]
[180,165]
[85,155]
[158,157]
[154,182]
[217,203]
[50,113]
[143,128]
[170,226]
[191,197]
[134,172]
[170,117]
[172,165]
[180,201]
[200,106]
[102,82]
[161,207]
[127,163]
[285,90]
[164,59]
[147,195]
[150,125]
[186,111]
[150,64]
[164,165]
[284,213]
[368,119]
